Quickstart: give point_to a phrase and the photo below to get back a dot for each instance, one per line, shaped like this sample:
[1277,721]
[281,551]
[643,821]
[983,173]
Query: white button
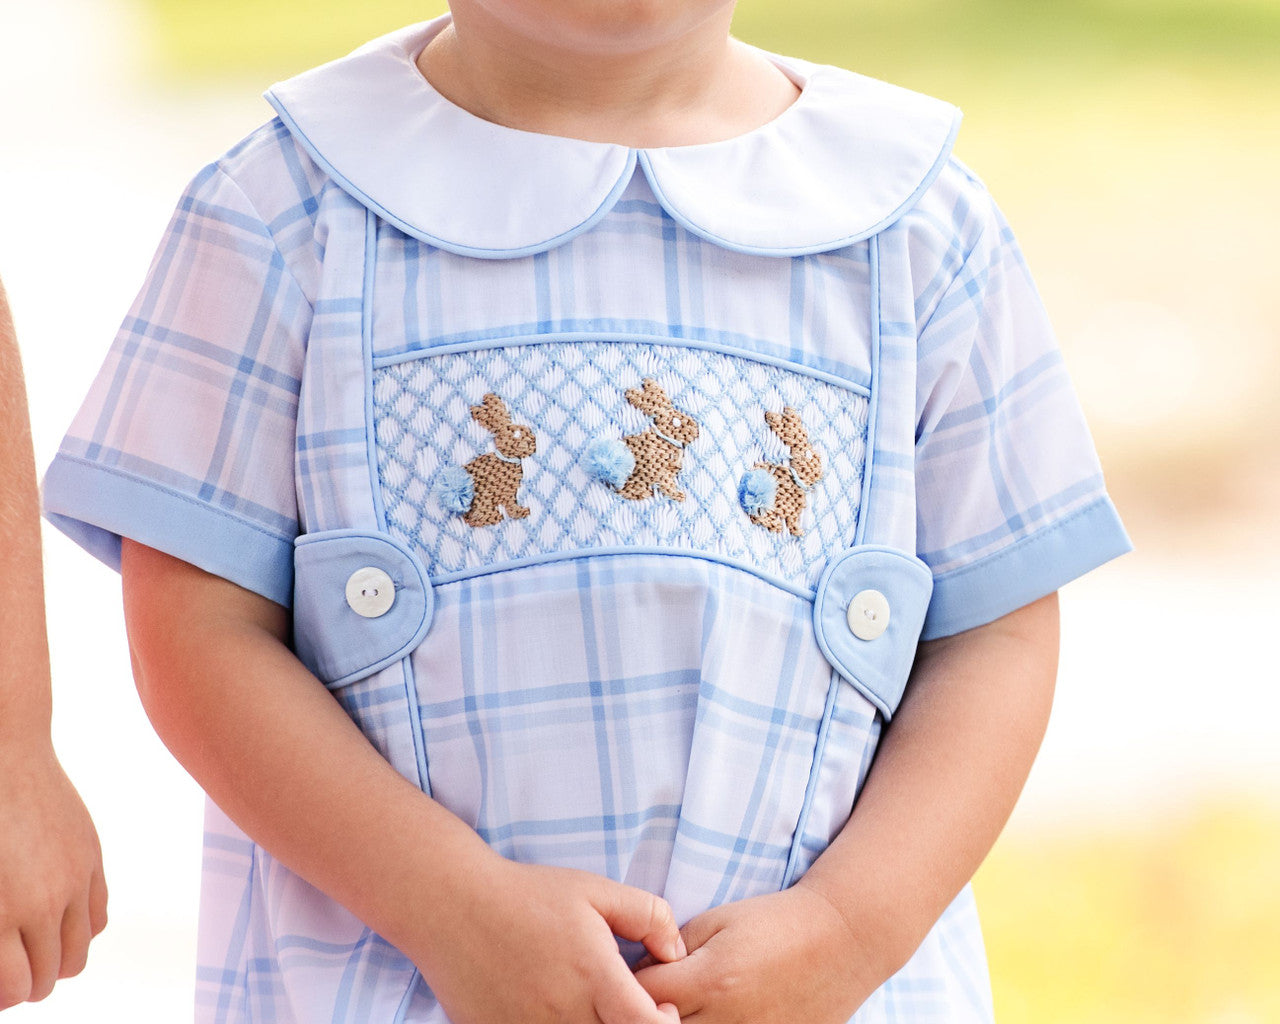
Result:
[370,592]
[868,614]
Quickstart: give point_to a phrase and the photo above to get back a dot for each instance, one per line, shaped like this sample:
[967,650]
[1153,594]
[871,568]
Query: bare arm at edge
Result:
[53,897]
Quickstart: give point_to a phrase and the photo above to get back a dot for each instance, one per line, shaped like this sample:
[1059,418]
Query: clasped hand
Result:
[536,944]
[781,958]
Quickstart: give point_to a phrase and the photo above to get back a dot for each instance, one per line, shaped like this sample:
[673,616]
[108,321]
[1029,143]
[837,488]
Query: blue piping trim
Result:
[568,327]
[565,556]
[797,841]
[366,339]
[441,243]
[379,509]
[865,510]
[96,505]
[1035,566]
[403,1009]
[415,719]
[857,387]
[807,250]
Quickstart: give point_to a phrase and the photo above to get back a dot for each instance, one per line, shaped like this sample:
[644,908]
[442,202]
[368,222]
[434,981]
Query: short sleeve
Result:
[185,442]
[1010,498]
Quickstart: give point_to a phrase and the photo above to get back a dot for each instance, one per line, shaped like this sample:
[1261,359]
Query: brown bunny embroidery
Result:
[485,488]
[774,495]
[639,463]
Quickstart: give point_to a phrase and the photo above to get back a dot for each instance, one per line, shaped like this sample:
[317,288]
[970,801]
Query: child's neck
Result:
[700,87]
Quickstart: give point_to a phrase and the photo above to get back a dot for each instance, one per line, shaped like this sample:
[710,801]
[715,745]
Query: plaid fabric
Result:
[667,721]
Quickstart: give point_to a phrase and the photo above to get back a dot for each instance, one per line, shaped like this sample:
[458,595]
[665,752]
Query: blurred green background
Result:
[1134,145]
[1021,43]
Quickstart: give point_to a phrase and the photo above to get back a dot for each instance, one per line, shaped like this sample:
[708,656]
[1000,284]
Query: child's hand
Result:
[53,898]
[785,957]
[536,944]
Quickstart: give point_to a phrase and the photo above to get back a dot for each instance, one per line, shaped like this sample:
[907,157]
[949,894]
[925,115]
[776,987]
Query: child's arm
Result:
[945,779]
[53,898]
[494,939]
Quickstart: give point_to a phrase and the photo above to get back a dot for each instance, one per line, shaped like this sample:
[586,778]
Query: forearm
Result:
[53,898]
[949,769]
[277,753]
[24,665]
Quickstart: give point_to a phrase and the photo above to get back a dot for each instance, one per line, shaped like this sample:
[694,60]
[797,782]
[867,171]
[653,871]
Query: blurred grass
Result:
[267,41]
[1171,922]
[1037,45]
[992,44]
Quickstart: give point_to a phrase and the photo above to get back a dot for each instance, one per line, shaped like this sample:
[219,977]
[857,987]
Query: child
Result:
[539,454]
[53,898]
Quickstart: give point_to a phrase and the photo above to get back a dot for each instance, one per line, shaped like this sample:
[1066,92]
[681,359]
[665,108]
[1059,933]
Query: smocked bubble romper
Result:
[611,490]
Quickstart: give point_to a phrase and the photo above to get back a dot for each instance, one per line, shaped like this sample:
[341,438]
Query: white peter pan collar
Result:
[849,157]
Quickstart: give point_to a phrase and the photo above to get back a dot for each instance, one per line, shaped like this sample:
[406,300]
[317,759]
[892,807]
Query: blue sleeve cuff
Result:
[982,592]
[96,505]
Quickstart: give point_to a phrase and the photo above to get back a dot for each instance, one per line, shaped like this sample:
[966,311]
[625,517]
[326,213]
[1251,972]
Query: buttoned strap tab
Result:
[868,615]
[361,602]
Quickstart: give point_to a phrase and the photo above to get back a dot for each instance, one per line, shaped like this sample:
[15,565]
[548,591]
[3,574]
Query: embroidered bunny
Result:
[485,488]
[773,494]
[639,463]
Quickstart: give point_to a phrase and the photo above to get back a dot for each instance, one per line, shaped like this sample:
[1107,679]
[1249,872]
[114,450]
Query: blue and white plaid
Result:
[658,712]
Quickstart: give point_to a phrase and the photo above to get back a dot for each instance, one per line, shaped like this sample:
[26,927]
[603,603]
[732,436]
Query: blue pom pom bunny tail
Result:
[757,491]
[609,459]
[455,489]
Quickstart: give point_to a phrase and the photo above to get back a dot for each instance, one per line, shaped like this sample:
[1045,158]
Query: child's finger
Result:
[44,953]
[670,1010]
[699,931]
[642,917]
[680,984]
[695,935]
[621,1000]
[15,970]
[76,934]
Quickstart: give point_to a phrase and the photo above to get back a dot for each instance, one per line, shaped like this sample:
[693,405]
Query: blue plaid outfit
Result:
[661,689]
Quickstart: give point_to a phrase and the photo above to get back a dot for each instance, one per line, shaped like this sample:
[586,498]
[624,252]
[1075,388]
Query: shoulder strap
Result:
[888,516]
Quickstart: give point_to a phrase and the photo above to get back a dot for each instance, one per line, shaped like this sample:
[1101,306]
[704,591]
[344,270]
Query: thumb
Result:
[642,917]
